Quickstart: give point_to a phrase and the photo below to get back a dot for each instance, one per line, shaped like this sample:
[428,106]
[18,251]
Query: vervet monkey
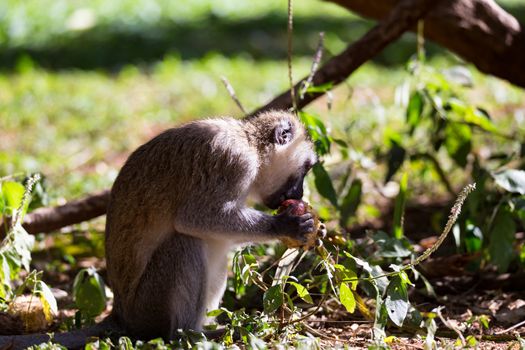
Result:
[178,206]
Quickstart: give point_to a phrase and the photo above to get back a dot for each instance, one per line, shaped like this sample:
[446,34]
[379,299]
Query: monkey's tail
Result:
[71,340]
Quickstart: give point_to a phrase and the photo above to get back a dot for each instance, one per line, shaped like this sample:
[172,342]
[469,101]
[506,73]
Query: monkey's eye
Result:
[283,133]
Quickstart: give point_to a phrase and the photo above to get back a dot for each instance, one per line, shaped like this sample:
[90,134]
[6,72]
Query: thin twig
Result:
[276,262]
[11,176]
[454,213]
[315,64]
[231,91]
[17,217]
[453,217]
[290,47]
[450,325]
[511,328]
[421,40]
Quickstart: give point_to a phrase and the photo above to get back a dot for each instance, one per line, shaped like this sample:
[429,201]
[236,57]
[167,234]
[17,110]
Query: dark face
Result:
[292,189]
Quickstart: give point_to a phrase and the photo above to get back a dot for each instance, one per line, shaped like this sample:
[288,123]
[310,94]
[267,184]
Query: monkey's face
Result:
[292,156]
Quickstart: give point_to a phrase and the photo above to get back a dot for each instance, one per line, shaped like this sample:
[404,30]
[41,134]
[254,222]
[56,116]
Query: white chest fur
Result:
[216,252]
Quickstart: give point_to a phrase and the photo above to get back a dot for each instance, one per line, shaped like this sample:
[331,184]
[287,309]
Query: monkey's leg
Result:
[172,290]
[216,253]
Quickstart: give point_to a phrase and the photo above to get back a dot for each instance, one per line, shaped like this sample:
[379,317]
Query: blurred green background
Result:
[83,83]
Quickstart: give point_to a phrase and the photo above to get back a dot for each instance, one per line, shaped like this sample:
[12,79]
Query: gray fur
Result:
[183,188]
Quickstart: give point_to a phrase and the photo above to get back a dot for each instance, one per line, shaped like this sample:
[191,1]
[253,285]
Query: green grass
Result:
[77,127]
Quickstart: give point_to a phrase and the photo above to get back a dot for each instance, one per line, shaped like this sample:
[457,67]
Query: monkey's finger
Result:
[321,231]
[306,217]
[307,226]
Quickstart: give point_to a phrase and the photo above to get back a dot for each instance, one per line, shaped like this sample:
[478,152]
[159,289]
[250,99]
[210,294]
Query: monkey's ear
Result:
[283,133]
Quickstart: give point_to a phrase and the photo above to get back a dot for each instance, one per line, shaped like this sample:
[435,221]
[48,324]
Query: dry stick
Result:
[290,47]
[450,326]
[315,64]
[17,217]
[336,70]
[29,187]
[452,218]
[511,328]
[73,212]
[231,91]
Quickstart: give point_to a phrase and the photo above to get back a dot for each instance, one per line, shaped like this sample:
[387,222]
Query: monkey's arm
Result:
[242,224]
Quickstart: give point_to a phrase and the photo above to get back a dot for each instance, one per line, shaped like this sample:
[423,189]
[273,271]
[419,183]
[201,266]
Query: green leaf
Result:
[351,202]
[14,261]
[302,292]
[5,277]
[431,326]
[23,244]
[320,88]
[511,180]
[396,157]
[341,143]
[380,318]
[484,320]
[396,301]
[473,238]
[347,275]
[97,345]
[459,75]
[13,193]
[5,270]
[215,313]
[47,299]
[88,292]
[519,207]
[273,299]
[399,208]
[414,110]
[390,247]
[124,343]
[471,341]
[464,113]
[380,281]
[480,118]
[317,131]
[347,298]
[324,184]
[458,142]
[501,239]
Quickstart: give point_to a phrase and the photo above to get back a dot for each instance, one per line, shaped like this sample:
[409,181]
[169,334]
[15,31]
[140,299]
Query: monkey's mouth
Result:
[273,202]
[292,189]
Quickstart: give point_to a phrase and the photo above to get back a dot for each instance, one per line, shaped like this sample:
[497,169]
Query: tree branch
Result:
[50,219]
[478,30]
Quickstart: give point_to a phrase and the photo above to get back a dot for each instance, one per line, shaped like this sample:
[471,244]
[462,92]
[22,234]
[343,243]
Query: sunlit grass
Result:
[77,127]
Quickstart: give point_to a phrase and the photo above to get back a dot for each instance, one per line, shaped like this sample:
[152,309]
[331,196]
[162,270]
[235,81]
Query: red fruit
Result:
[295,207]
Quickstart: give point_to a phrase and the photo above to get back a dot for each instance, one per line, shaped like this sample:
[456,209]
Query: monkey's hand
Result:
[295,230]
